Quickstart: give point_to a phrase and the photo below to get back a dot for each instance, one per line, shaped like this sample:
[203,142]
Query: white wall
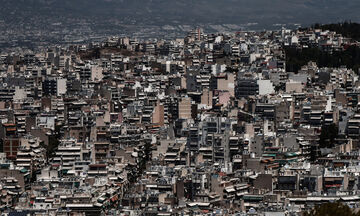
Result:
[61,87]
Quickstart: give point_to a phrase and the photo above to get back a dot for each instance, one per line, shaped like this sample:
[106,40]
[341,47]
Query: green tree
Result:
[296,58]
[54,141]
[331,209]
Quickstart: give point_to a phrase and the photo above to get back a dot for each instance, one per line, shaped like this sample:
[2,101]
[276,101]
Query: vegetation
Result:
[347,29]
[91,54]
[332,209]
[135,171]
[54,141]
[328,136]
[231,70]
[97,53]
[296,58]
[350,57]
[281,86]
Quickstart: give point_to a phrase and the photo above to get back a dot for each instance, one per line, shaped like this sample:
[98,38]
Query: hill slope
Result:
[189,11]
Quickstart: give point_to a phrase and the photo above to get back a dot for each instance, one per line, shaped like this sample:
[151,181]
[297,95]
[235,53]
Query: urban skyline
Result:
[119,107]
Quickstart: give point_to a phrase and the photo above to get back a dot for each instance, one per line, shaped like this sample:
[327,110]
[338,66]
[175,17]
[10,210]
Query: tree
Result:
[54,141]
[230,69]
[296,58]
[328,135]
[331,209]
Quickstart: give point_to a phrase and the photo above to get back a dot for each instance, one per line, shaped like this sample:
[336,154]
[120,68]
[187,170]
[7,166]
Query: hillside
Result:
[347,29]
[188,11]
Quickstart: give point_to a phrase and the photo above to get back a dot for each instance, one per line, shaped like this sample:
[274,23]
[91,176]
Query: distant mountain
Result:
[265,12]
